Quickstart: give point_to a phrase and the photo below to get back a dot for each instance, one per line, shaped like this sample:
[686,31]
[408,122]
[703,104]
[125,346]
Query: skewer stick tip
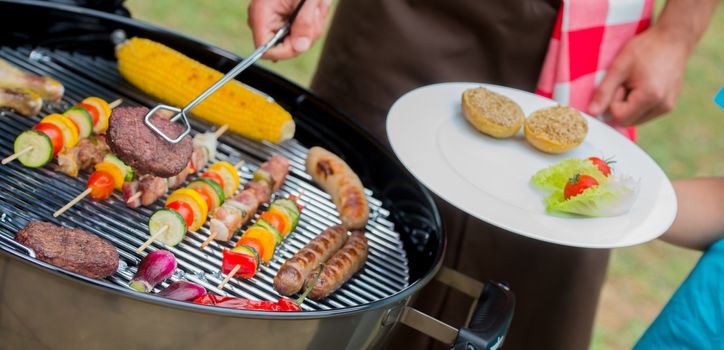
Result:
[239,164]
[134,197]
[15,155]
[151,239]
[75,200]
[229,276]
[115,103]
[208,240]
[221,130]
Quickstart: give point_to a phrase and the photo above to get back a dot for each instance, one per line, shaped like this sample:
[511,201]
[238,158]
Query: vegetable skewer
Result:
[186,209]
[36,147]
[113,173]
[239,209]
[259,242]
[220,131]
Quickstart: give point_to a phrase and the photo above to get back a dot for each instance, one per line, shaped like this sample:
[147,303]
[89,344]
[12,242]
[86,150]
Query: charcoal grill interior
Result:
[404,230]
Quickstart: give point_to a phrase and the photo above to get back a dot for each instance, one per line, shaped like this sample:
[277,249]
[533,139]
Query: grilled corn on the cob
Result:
[177,79]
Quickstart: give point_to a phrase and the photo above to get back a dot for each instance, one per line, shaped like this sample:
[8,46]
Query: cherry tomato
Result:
[214,176]
[602,165]
[274,219]
[92,110]
[54,133]
[252,242]
[184,209]
[206,197]
[578,184]
[101,184]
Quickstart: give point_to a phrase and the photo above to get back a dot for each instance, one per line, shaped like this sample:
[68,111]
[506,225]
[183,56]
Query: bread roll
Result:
[555,129]
[492,113]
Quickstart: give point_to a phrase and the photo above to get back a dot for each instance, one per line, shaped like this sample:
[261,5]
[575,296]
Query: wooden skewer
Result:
[218,133]
[115,103]
[137,195]
[151,239]
[208,240]
[14,156]
[221,130]
[72,203]
[229,276]
[214,234]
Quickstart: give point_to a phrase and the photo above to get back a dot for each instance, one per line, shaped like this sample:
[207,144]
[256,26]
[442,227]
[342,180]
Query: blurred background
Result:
[687,142]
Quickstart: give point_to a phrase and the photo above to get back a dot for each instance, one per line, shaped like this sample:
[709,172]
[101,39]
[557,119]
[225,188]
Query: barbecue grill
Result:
[42,305]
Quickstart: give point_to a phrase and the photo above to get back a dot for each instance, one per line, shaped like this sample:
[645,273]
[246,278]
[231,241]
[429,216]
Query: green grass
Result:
[687,142]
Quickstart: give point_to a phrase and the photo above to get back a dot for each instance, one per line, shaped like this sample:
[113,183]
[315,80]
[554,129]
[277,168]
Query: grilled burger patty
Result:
[71,249]
[140,147]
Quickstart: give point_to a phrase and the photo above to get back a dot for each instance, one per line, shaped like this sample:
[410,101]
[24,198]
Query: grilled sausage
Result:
[345,187]
[291,276]
[340,267]
[22,101]
[72,249]
[261,190]
[12,77]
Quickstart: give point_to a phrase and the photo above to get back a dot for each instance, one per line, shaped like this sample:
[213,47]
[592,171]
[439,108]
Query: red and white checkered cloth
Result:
[587,36]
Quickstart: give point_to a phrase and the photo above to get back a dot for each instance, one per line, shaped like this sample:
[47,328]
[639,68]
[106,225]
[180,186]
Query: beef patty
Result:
[72,249]
[140,147]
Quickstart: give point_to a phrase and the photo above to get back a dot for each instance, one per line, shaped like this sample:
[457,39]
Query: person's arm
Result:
[644,79]
[267,16]
[700,218]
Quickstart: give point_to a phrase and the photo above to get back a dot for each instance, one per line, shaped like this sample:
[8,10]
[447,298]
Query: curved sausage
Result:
[345,187]
[341,266]
[290,277]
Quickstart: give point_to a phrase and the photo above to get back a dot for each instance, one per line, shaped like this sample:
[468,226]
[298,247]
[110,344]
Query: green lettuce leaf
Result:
[614,198]
[554,177]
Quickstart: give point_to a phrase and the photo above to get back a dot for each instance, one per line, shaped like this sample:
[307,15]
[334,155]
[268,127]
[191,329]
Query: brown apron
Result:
[377,50]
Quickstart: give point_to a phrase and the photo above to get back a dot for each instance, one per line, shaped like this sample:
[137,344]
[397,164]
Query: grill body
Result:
[42,306]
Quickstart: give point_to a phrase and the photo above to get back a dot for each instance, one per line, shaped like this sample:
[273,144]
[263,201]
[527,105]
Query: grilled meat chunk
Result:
[153,187]
[140,147]
[71,249]
[278,168]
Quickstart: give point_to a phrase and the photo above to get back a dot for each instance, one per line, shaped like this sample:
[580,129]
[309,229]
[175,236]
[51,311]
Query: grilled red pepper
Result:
[283,304]
[247,262]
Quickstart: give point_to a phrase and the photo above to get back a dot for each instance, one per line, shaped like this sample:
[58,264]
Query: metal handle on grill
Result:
[11,244]
[181,113]
[488,321]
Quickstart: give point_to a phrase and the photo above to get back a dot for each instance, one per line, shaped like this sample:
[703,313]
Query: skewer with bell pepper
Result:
[259,242]
[108,175]
[206,142]
[187,208]
[100,186]
[239,209]
[56,132]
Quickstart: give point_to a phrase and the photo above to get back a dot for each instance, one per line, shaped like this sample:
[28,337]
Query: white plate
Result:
[489,178]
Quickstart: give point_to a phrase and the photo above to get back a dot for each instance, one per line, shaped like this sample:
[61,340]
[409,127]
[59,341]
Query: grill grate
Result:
[34,194]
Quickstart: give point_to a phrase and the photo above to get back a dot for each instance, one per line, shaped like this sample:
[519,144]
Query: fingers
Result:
[638,104]
[266,17]
[612,82]
[304,29]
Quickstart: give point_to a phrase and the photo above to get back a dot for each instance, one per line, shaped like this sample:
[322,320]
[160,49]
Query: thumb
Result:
[604,94]
[303,29]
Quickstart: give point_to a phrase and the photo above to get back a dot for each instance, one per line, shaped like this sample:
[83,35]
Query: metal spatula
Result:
[182,113]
